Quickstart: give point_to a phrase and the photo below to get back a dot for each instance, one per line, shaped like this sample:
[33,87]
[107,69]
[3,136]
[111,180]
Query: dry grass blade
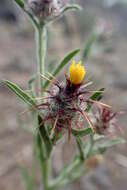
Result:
[52,76]
[88,120]
[46,78]
[54,126]
[27,110]
[87,84]
[100,103]
[69,132]
[42,98]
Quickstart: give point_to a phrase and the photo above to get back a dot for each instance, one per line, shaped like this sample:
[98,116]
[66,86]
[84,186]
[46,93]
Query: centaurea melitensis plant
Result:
[63,106]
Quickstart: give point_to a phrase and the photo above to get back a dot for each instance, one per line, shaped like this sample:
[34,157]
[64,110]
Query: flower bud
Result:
[106,121]
[45,10]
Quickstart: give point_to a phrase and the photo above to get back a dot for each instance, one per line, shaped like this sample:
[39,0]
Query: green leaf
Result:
[78,173]
[70,7]
[20,93]
[102,146]
[88,46]
[29,182]
[110,142]
[62,64]
[96,96]
[65,61]
[33,20]
[81,132]
[20,3]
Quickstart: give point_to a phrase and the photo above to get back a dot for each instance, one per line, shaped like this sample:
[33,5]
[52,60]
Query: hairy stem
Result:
[45,174]
[41,41]
[91,143]
[41,38]
[45,148]
[80,148]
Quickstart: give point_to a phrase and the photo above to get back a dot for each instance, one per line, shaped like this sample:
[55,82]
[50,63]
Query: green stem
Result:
[80,148]
[41,36]
[44,162]
[41,39]
[45,174]
[45,148]
[91,143]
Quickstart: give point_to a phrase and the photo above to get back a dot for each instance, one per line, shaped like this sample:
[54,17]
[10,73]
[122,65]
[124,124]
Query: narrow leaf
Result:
[20,3]
[69,173]
[109,143]
[96,96]
[81,132]
[63,63]
[20,93]
[70,7]
[102,146]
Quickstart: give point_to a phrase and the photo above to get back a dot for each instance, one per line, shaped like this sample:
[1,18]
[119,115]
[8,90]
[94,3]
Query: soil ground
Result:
[17,63]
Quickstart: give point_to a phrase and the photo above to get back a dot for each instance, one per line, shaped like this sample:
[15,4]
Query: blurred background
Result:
[106,65]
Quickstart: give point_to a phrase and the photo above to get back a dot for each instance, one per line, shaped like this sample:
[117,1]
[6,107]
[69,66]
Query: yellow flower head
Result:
[76,73]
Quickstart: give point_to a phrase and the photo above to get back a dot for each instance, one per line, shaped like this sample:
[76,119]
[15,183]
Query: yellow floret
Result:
[76,73]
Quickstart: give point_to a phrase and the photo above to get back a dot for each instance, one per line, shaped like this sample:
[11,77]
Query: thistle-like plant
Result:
[65,107]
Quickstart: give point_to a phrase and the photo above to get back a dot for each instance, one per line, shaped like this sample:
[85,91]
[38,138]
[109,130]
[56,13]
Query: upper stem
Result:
[41,39]
[41,32]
